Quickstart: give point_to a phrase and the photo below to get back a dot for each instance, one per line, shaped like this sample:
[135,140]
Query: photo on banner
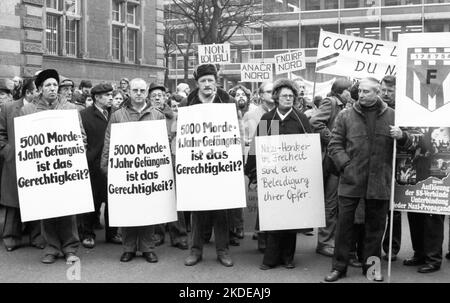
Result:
[422,110]
[356,57]
[51,164]
[141,184]
[209,162]
[290,182]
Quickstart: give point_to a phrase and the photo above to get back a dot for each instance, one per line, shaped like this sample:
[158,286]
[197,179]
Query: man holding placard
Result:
[60,233]
[208,92]
[136,237]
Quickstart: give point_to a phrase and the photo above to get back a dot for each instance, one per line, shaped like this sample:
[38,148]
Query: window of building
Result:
[351,3]
[292,38]
[131,13]
[392,32]
[180,38]
[354,31]
[279,6]
[392,2]
[71,37]
[372,32]
[117,40]
[125,25]
[435,27]
[61,30]
[132,40]
[275,39]
[52,34]
[331,4]
[312,36]
[52,4]
[312,5]
[116,11]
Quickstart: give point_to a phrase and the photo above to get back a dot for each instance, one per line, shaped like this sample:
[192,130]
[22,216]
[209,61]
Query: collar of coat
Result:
[221,97]
[294,115]
[382,107]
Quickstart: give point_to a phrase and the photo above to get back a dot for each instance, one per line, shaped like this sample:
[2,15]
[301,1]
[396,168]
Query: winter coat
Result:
[126,114]
[365,169]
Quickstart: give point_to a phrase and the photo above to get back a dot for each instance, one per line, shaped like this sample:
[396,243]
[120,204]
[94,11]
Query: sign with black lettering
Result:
[290,62]
[141,185]
[422,172]
[209,168]
[214,53]
[351,56]
[290,182]
[256,72]
[52,171]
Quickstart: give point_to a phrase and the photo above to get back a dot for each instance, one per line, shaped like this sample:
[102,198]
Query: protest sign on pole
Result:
[209,163]
[290,62]
[214,53]
[256,72]
[290,182]
[356,57]
[422,110]
[141,187]
[52,171]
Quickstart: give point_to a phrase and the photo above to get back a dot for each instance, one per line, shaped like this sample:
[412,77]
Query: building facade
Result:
[293,24]
[99,40]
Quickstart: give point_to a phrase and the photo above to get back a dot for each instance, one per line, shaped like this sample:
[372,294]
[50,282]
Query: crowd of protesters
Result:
[355,122]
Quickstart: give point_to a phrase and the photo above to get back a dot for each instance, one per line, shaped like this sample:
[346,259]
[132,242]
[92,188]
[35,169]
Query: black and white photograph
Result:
[238,145]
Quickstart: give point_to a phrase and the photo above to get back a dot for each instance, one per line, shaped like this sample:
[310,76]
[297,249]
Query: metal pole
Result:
[391,214]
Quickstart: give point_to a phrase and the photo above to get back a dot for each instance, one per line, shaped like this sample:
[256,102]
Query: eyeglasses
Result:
[268,91]
[287,96]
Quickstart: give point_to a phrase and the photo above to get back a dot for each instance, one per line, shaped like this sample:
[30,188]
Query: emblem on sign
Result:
[428,77]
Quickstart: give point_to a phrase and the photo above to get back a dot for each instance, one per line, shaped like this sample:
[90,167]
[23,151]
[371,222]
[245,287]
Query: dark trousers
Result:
[201,223]
[61,235]
[138,238]
[325,237]
[427,236]
[236,218]
[396,233]
[375,221]
[88,221]
[280,247]
[13,229]
[357,248]
[177,229]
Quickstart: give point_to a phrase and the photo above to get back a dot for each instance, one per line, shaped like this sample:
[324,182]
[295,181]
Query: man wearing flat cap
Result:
[95,121]
[60,233]
[66,87]
[208,92]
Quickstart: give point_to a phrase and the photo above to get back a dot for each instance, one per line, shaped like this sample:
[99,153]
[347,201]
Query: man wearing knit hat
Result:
[208,92]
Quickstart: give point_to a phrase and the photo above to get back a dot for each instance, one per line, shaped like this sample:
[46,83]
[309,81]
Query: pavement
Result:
[101,264]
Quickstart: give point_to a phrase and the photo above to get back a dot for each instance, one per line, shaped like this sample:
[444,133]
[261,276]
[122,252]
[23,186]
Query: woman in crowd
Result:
[280,246]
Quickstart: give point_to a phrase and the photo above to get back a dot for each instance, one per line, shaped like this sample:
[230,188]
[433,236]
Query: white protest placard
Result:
[214,53]
[356,57]
[209,169]
[423,80]
[290,62]
[52,171]
[290,182]
[256,72]
[141,187]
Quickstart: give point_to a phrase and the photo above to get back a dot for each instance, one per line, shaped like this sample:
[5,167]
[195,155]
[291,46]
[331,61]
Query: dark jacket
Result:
[126,114]
[322,121]
[221,97]
[295,123]
[95,124]
[9,193]
[365,169]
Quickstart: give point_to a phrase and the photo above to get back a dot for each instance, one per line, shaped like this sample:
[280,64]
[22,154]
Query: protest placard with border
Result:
[141,186]
[209,162]
[290,182]
[256,72]
[214,53]
[52,171]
